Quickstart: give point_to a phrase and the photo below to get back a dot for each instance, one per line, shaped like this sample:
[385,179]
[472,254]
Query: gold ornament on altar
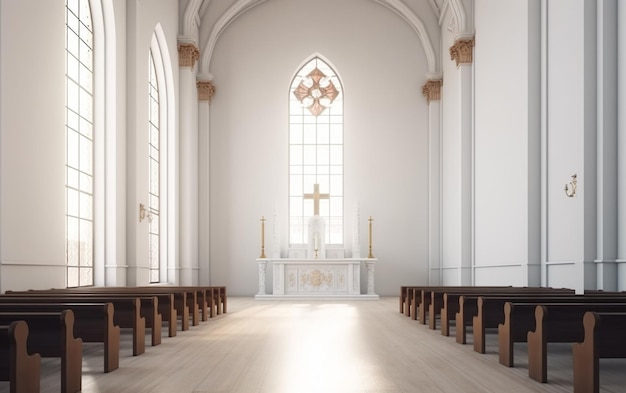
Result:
[370,255]
[262,237]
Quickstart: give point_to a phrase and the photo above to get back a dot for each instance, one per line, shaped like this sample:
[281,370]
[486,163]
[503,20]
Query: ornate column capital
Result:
[206,90]
[462,51]
[188,54]
[432,90]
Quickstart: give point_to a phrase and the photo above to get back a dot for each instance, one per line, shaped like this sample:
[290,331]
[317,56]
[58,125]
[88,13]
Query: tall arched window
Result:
[154,176]
[316,151]
[79,126]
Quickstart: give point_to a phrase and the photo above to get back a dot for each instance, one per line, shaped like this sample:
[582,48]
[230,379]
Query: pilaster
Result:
[206,91]
[462,53]
[188,54]
[432,92]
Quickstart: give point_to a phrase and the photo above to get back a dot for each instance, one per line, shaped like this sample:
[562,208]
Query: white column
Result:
[188,115]
[607,146]
[432,92]
[621,148]
[206,90]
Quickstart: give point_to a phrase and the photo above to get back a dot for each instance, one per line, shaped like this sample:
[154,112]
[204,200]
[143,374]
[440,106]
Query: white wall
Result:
[571,148]
[32,144]
[506,147]
[385,133]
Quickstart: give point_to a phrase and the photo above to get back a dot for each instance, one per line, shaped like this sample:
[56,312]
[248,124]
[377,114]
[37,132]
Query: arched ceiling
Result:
[197,9]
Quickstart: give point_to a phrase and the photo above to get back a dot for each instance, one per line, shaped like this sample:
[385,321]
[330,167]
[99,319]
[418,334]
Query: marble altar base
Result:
[337,279]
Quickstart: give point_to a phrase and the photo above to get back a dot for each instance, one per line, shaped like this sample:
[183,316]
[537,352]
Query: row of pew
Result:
[594,322]
[56,323]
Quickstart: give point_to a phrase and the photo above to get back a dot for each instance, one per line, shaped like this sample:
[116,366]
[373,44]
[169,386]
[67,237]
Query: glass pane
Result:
[323,136]
[336,206]
[86,183]
[86,104]
[72,120]
[336,155]
[324,208]
[72,178]
[86,206]
[309,136]
[86,276]
[295,185]
[72,95]
[86,243]
[323,170]
[72,277]
[72,241]
[336,134]
[86,155]
[295,206]
[309,170]
[295,154]
[86,128]
[323,155]
[86,79]
[295,134]
[72,202]
[324,183]
[309,155]
[72,67]
[295,170]
[336,185]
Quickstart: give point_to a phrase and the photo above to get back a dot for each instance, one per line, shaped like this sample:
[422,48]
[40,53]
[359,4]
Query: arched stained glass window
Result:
[316,152]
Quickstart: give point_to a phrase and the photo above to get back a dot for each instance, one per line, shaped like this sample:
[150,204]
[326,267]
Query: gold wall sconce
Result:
[144,213]
[571,190]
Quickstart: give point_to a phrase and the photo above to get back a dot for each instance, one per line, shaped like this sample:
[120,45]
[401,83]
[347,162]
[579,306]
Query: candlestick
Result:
[370,255]
[262,237]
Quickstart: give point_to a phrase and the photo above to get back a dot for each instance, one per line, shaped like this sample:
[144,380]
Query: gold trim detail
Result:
[206,90]
[462,51]
[188,54]
[432,90]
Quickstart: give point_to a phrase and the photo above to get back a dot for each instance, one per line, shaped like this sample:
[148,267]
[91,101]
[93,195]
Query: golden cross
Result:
[316,196]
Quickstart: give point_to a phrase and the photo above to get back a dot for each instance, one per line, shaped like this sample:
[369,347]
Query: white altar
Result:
[317,279]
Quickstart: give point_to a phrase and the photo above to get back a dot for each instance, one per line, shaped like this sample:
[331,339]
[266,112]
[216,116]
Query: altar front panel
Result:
[317,277]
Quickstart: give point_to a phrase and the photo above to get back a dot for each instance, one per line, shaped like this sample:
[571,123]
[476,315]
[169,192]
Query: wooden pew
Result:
[133,312]
[51,335]
[93,322]
[405,301]
[541,324]
[165,301]
[445,303]
[603,338]
[490,312]
[427,297]
[16,365]
[127,311]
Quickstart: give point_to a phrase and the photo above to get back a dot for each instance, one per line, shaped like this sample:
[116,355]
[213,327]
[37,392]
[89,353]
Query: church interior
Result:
[465,143]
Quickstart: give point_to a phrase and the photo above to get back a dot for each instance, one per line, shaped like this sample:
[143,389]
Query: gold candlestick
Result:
[262,237]
[370,255]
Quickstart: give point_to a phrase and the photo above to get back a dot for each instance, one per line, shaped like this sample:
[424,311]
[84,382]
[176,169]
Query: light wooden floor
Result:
[322,347]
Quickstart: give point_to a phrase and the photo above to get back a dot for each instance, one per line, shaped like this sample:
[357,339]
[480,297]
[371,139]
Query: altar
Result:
[317,279]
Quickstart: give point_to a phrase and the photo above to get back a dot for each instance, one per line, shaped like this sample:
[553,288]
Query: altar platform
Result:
[336,279]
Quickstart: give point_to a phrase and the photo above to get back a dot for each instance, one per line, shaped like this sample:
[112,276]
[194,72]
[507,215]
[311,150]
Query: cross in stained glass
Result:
[316,196]
[316,90]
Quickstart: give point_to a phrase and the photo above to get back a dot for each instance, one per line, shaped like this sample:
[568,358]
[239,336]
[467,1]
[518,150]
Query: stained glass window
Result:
[315,150]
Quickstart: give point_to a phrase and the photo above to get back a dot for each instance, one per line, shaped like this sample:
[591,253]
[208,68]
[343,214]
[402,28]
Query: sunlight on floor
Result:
[320,351]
